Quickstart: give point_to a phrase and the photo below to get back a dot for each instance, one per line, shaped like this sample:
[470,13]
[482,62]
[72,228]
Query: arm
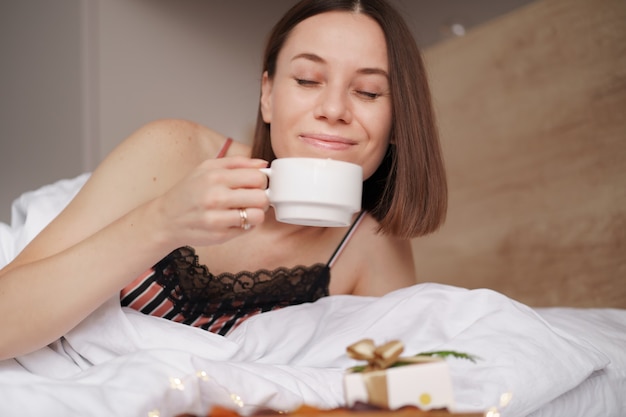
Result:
[126,217]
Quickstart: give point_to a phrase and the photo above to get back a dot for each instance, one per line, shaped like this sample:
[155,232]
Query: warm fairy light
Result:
[492,412]
[176,383]
[237,400]
[154,413]
[505,399]
[202,375]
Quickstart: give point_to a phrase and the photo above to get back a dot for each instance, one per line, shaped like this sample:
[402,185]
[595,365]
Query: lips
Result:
[329,142]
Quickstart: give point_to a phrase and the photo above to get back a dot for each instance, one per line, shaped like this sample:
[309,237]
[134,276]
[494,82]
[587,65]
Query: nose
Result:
[333,105]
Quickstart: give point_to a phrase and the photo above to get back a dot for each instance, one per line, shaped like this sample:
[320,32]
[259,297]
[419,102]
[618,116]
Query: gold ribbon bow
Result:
[381,357]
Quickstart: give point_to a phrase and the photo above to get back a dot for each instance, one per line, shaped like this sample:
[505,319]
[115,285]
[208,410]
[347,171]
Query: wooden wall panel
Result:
[532,111]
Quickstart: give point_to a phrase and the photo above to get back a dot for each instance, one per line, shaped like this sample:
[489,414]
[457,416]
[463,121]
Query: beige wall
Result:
[534,135]
[187,59]
[40,95]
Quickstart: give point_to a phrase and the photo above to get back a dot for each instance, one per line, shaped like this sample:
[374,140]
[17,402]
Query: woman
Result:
[342,79]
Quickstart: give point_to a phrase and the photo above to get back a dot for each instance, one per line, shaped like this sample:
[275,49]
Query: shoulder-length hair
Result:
[407,194]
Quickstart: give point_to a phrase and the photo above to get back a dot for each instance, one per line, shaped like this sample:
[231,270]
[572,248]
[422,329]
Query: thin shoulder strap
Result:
[224,149]
[345,240]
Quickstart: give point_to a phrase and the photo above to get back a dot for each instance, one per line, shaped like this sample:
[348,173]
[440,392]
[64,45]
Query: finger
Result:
[217,222]
[223,198]
[247,218]
[246,197]
[249,178]
[235,178]
[233,162]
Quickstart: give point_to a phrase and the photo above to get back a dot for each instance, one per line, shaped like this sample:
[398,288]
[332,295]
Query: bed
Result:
[547,361]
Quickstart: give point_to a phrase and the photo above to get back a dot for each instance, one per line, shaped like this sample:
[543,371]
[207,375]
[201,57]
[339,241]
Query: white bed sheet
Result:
[554,362]
[604,390]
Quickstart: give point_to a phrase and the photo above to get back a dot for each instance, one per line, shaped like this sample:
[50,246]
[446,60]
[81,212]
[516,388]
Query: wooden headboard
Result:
[532,112]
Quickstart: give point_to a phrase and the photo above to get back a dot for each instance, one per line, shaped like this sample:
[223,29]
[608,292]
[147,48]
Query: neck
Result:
[272,225]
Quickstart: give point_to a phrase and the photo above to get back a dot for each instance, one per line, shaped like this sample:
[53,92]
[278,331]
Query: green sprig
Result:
[446,353]
[440,353]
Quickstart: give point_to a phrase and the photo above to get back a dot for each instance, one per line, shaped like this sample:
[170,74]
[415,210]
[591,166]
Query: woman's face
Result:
[330,95]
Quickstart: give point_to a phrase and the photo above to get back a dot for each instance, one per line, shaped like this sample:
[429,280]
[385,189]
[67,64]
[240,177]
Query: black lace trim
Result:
[195,291]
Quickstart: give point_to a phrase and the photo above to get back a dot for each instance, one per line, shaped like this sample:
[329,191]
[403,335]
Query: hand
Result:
[204,208]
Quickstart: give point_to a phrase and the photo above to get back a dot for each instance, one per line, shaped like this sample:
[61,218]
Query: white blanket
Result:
[119,362]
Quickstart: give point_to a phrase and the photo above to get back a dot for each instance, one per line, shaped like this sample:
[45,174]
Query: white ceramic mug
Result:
[314,191]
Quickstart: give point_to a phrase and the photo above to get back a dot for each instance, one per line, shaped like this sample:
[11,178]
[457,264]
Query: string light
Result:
[177,384]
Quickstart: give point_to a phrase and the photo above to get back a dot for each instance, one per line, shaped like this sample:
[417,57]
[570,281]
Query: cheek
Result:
[279,128]
[380,129]
[372,164]
[288,112]
[280,105]
[278,145]
[384,122]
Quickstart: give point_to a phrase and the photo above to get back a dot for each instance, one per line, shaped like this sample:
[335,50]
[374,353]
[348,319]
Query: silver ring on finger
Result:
[243,215]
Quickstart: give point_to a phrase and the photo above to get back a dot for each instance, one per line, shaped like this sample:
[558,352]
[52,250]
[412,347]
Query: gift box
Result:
[391,381]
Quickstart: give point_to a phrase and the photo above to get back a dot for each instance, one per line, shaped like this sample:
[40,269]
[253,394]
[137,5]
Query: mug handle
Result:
[268,172]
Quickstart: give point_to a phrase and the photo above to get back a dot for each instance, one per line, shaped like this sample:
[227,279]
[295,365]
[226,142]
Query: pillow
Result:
[602,394]
[33,210]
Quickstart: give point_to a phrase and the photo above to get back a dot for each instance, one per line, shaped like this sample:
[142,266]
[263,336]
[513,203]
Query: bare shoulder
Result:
[174,138]
[179,138]
[150,161]
[381,262]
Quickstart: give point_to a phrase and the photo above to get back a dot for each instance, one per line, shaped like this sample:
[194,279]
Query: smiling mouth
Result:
[328,142]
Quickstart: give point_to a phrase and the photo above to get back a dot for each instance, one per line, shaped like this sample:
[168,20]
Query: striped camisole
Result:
[181,289]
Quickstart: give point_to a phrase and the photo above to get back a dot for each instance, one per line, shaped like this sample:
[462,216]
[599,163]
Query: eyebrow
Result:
[319,59]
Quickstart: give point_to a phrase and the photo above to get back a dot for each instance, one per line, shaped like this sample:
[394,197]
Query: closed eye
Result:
[368,95]
[304,82]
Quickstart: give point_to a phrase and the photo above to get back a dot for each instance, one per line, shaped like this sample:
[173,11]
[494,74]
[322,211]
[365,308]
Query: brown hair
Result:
[407,194]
